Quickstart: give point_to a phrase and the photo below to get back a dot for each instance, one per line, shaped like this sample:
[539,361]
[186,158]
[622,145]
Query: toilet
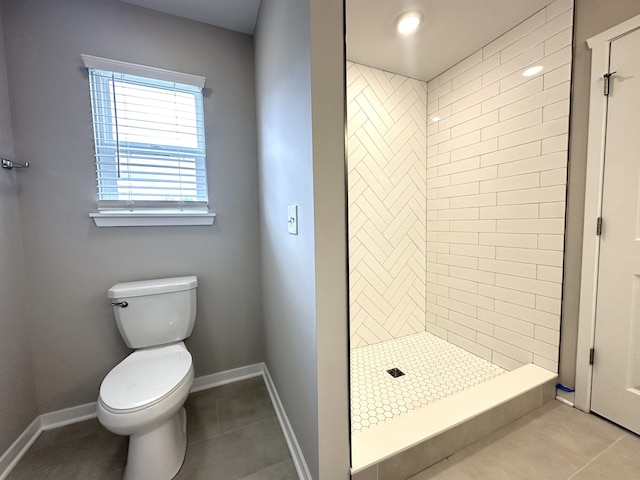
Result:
[143,396]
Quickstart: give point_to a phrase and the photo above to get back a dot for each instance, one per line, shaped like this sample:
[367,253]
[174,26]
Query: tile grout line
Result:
[596,457]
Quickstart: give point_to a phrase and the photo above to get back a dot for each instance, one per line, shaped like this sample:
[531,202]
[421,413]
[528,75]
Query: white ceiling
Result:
[451,31]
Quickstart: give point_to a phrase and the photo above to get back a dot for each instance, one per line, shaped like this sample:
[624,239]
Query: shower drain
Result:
[395,372]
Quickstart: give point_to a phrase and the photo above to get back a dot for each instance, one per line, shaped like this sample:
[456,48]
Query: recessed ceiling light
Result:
[408,22]
[530,72]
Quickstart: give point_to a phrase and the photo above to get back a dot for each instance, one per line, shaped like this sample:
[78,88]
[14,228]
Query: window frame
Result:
[118,213]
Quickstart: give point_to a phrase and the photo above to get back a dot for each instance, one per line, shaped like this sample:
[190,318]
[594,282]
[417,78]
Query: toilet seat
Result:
[145,378]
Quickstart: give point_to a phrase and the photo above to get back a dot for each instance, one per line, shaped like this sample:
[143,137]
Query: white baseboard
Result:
[292,442]
[80,413]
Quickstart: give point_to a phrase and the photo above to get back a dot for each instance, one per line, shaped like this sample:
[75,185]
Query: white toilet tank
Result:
[155,312]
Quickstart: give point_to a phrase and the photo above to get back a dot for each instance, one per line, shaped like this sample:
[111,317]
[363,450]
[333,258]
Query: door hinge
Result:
[607,82]
[592,353]
[599,226]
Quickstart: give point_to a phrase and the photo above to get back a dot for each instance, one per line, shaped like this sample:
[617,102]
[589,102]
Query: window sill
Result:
[151,219]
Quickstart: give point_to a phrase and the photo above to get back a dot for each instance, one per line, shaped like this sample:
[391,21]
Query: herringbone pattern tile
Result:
[387,204]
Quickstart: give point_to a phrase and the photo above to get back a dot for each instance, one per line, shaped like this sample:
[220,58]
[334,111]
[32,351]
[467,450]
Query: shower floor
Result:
[433,369]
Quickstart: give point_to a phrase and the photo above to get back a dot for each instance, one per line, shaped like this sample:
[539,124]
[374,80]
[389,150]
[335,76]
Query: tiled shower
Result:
[456,212]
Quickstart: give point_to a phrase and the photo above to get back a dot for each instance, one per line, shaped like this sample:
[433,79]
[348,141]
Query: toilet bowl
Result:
[143,395]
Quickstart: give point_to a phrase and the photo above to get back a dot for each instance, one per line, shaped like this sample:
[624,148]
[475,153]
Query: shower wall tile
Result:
[387,172]
[495,194]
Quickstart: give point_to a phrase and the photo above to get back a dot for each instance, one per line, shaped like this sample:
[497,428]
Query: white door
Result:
[616,370]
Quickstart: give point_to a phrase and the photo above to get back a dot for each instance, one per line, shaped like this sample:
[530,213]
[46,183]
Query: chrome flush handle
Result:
[120,304]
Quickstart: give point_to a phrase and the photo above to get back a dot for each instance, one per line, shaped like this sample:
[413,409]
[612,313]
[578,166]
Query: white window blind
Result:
[149,142]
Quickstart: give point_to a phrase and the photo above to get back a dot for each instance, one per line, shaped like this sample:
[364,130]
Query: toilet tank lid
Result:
[152,287]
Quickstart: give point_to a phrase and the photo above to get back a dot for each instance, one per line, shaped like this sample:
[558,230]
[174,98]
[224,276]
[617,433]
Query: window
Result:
[149,141]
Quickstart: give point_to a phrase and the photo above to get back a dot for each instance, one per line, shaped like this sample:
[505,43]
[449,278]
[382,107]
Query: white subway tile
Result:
[460,142]
[533,195]
[556,8]
[528,255]
[459,190]
[551,242]
[513,124]
[459,166]
[436,116]
[555,110]
[479,251]
[435,289]
[532,315]
[554,177]
[472,274]
[477,175]
[471,299]
[530,344]
[459,214]
[437,310]
[554,95]
[550,274]
[558,41]
[505,362]
[557,76]
[476,149]
[519,152]
[462,66]
[472,225]
[478,123]
[510,212]
[432,107]
[432,215]
[457,261]
[434,83]
[439,137]
[483,200]
[438,182]
[550,161]
[460,117]
[470,238]
[439,92]
[505,321]
[538,132]
[552,210]
[475,71]
[437,160]
[473,347]
[511,268]
[454,305]
[547,335]
[458,283]
[550,365]
[515,34]
[507,295]
[437,247]
[432,172]
[539,287]
[471,322]
[438,226]
[516,64]
[440,204]
[547,31]
[504,348]
[490,90]
[461,92]
[517,182]
[527,89]
[437,331]
[541,225]
[457,329]
[547,304]
[508,240]
[432,151]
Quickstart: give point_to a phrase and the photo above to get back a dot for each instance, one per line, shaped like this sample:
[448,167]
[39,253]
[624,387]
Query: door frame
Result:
[600,52]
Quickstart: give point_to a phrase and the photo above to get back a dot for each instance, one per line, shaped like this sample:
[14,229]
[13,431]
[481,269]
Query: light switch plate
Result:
[292,219]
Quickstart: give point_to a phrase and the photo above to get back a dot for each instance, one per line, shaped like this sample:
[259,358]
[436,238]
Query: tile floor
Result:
[555,442]
[232,430]
[433,369]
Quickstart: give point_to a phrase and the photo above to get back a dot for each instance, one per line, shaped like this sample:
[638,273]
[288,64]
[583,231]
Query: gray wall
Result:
[17,392]
[70,262]
[591,18]
[301,162]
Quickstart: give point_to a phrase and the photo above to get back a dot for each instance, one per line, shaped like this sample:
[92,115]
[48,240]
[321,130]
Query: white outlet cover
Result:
[292,219]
